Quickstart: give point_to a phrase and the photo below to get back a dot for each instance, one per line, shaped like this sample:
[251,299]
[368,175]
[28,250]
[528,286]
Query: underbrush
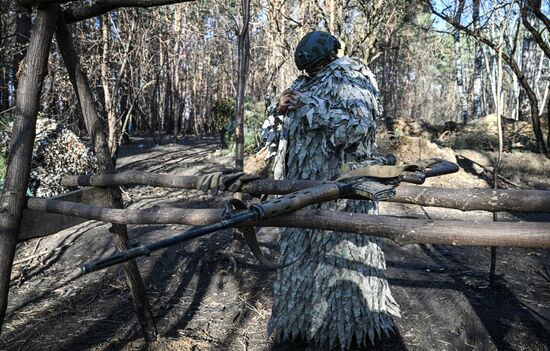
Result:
[254,116]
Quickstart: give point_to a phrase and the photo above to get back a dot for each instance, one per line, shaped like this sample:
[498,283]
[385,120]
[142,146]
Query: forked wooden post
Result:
[18,171]
[106,166]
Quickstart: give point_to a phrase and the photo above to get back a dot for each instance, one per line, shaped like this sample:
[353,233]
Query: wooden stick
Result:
[403,231]
[464,199]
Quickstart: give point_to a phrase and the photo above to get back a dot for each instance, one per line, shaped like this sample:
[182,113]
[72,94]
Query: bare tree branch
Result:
[101,7]
[537,12]
[533,100]
[27,3]
[536,34]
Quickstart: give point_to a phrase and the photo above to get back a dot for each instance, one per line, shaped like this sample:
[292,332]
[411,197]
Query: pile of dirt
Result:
[479,134]
[409,149]
[257,163]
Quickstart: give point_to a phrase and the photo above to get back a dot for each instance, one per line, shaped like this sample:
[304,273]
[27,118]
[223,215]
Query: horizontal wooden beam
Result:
[464,199]
[37,223]
[403,231]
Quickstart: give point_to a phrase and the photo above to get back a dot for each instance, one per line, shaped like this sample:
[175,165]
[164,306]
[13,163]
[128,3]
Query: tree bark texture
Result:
[18,170]
[106,166]
[243,62]
[23,26]
[477,109]
[105,81]
[403,231]
[463,199]
[458,63]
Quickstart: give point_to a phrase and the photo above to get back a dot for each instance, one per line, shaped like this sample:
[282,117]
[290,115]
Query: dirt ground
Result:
[210,294]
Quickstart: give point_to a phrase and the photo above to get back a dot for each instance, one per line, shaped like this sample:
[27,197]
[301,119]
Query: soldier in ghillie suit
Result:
[337,290]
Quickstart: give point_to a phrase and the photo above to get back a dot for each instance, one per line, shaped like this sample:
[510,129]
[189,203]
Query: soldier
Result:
[337,291]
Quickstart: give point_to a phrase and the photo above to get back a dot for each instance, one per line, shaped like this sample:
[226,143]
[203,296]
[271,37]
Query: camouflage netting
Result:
[338,291]
[57,152]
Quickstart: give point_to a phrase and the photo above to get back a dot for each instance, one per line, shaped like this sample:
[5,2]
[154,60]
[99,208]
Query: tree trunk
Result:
[527,67]
[105,81]
[458,63]
[18,170]
[477,108]
[243,61]
[106,166]
[23,25]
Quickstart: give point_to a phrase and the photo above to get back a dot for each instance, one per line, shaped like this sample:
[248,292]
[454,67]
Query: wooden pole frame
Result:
[403,231]
[463,199]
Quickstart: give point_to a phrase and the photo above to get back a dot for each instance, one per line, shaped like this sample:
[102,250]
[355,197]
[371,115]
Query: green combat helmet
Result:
[313,47]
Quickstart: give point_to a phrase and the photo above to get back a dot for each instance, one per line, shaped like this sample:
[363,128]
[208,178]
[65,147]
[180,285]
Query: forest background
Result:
[173,70]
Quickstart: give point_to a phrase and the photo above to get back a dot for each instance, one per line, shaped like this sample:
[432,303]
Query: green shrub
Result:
[224,112]
[254,116]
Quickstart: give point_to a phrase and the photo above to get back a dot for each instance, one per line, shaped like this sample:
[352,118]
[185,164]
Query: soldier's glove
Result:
[226,180]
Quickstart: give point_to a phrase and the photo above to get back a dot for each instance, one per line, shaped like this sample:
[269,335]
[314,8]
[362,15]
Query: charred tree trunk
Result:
[106,166]
[17,175]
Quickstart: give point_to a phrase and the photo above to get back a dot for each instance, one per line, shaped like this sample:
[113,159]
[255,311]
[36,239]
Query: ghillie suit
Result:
[57,152]
[338,290]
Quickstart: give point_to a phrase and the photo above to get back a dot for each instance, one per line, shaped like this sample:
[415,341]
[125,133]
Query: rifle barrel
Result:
[143,250]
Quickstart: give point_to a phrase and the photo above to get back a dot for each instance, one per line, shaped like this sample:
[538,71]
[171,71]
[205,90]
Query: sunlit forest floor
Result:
[211,294]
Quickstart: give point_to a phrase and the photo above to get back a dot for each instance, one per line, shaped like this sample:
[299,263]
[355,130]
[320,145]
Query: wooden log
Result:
[96,131]
[39,223]
[18,170]
[513,200]
[403,231]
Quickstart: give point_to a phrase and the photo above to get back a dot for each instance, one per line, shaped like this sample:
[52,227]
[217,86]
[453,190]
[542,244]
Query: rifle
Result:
[372,182]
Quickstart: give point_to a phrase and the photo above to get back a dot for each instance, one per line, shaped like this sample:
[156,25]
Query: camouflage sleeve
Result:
[271,128]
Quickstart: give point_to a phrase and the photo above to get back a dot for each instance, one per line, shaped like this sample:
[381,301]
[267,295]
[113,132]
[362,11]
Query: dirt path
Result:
[211,295]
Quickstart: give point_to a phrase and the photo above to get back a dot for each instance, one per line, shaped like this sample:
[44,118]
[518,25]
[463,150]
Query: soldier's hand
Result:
[289,101]
[227,180]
